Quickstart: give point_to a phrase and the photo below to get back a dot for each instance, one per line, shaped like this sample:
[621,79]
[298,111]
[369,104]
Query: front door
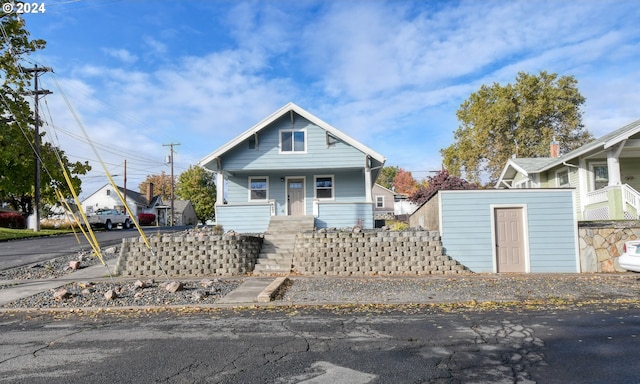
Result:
[295,197]
[510,245]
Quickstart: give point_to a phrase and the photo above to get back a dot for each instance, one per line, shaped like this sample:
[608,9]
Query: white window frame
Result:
[315,187]
[592,184]
[249,189]
[558,172]
[292,131]
[380,198]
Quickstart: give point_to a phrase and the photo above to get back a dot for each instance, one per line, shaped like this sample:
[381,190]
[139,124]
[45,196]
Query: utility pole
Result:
[125,188]
[37,92]
[172,187]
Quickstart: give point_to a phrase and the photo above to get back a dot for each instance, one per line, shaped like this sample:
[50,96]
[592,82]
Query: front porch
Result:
[613,202]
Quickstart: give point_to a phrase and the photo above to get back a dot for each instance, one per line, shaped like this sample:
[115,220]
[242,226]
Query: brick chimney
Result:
[149,193]
[554,148]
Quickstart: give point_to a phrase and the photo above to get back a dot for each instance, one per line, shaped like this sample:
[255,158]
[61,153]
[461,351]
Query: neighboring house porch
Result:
[605,173]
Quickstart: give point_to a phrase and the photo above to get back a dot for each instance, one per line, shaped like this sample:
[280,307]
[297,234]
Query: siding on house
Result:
[245,218]
[468,235]
[267,156]
[386,197]
[344,215]
[348,186]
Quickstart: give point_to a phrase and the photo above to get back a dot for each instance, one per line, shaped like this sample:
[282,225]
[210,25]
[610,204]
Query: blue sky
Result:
[391,74]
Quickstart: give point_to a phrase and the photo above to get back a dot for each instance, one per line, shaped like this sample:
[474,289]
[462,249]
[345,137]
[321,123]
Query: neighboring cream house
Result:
[604,172]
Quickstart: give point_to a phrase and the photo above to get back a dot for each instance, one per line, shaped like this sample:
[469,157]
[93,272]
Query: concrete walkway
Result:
[252,290]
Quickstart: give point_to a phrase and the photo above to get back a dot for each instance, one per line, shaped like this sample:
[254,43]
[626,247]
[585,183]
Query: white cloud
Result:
[121,54]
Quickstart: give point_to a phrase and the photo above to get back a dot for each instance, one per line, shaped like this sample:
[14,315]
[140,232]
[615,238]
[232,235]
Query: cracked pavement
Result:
[322,345]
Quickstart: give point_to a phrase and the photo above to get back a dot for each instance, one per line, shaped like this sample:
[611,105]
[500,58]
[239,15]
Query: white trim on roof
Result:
[277,114]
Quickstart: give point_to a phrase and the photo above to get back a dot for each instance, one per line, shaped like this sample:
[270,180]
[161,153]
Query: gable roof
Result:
[180,205]
[384,188]
[541,164]
[276,115]
[137,197]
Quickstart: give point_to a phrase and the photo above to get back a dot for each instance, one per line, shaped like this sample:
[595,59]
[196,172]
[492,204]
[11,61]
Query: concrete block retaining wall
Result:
[601,244]
[372,253]
[189,255]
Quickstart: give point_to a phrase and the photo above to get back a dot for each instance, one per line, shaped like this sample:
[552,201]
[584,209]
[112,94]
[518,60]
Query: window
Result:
[600,176]
[324,187]
[108,192]
[252,143]
[292,141]
[258,188]
[562,178]
[379,201]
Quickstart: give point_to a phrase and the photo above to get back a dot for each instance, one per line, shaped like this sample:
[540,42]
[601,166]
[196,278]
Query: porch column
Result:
[367,180]
[219,188]
[613,164]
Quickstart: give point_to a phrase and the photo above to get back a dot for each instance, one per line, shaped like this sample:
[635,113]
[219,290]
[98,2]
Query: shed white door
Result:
[295,197]
[510,244]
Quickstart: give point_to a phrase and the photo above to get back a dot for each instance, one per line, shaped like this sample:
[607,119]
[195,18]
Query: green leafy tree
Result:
[386,176]
[198,185]
[520,119]
[17,133]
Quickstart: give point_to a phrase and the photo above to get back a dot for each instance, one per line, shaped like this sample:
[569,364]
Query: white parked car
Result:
[630,259]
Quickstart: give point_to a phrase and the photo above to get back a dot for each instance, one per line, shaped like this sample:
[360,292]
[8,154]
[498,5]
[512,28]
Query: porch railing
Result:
[599,196]
[630,197]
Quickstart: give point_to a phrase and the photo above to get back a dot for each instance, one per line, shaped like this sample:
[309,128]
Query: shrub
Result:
[57,224]
[12,220]
[146,218]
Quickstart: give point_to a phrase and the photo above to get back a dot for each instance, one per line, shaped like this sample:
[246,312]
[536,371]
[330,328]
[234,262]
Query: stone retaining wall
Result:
[189,255]
[601,243]
[372,253]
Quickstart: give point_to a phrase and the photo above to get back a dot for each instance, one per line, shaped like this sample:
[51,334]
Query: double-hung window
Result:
[324,187]
[258,188]
[562,178]
[292,141]
[379,201]
[600,176]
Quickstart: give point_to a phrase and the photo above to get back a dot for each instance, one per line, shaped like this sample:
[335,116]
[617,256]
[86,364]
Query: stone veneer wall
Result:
[372,253]
[601,243]
[189,255]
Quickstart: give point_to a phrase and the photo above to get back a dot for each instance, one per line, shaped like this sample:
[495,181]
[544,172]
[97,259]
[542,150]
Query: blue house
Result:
[293,164]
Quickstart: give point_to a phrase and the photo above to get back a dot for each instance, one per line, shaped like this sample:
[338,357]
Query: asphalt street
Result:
[349,344]
[17,253]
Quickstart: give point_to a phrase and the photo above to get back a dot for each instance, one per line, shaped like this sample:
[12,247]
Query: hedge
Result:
[12,220]
[146,218]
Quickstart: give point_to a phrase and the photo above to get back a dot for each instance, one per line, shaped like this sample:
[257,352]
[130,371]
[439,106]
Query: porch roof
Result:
[528,166]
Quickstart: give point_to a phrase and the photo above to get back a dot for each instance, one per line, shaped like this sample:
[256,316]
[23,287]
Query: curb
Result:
[269,292]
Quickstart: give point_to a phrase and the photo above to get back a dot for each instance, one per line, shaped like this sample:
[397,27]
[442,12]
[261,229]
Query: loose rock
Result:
[61,294]
[74,265]
[110,295]
[174,286]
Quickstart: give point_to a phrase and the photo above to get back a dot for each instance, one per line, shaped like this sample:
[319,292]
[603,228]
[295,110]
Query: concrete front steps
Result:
[276,255]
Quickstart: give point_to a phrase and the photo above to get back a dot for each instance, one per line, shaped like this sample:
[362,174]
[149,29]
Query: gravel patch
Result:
[478,288]
[125,294]
[54,268]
